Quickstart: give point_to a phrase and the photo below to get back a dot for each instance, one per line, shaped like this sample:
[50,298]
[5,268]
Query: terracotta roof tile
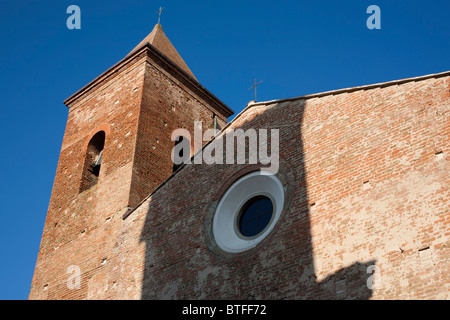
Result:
[159,40]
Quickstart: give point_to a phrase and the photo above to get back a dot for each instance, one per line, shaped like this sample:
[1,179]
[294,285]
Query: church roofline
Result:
[309,96]
[204,93]
[351,89]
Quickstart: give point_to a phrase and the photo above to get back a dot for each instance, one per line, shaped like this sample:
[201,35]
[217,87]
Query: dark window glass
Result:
[255,216]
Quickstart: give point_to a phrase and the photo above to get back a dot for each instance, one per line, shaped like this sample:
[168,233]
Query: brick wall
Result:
[167,105]
[132,103]
[368,172]
[369,175]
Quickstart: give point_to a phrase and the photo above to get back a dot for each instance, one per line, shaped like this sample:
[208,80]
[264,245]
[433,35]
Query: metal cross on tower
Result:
[159,14]
[255,87]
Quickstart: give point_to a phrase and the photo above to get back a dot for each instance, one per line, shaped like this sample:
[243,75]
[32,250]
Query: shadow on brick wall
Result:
[179,263]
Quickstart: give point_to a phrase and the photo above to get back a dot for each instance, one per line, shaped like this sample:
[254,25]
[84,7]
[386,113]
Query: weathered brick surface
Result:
[132,102]
[368,172]
[167,105]
[330,146]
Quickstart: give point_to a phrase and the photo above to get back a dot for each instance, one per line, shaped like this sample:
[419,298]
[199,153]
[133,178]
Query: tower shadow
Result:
[179,262]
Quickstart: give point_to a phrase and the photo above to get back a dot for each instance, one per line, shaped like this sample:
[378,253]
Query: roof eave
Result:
[352,89]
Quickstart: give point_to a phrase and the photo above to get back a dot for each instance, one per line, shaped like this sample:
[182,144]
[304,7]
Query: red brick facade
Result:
[137,103]
[367,172]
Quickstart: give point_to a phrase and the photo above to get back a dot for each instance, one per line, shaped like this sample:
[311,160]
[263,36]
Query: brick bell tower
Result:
[116,150]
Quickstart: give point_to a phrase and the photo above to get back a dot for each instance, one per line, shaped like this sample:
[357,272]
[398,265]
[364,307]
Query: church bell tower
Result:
[116,150]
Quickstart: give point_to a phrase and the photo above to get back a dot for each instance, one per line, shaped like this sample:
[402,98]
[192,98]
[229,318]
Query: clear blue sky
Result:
[294,47]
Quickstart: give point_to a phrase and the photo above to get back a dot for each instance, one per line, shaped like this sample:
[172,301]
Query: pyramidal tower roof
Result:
[159,40]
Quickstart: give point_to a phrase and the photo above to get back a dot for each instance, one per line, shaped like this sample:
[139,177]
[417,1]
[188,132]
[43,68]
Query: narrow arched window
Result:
[181,151]
[93,161]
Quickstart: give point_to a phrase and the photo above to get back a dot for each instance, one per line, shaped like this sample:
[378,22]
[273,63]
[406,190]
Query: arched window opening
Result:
[181,152]
[93,161]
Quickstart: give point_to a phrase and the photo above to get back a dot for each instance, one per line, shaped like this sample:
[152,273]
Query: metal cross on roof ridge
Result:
[255,87]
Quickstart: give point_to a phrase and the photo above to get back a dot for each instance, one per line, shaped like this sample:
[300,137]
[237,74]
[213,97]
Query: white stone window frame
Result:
[225,229]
